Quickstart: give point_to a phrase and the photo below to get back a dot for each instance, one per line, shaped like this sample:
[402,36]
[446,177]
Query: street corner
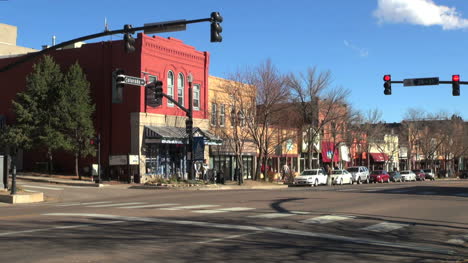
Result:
[21,197]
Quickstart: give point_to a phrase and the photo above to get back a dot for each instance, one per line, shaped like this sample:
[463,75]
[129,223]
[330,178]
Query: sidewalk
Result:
[73,181]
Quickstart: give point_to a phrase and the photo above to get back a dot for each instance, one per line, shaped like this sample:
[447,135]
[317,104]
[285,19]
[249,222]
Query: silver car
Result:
[360,174]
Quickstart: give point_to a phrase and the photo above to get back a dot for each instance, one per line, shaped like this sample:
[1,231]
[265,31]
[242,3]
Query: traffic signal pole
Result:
[158,27]
[424,82]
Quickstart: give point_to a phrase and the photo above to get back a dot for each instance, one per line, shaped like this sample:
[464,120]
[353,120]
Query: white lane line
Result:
[118,204]
[271,215]
[57,227]
[326,219]
[30,191]
[187,207]
[300,212]
[146,206]
[224,210]
[460,240]
[363,241]
[42,187]
[89,203]
[228,237]
[384,227]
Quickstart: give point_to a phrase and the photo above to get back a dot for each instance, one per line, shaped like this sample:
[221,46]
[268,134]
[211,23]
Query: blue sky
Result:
[358,41]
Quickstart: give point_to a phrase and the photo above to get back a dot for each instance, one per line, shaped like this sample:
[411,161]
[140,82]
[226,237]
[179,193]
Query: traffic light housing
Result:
[216,28]
[387,84]
[188,126]
[456,85]
[154,93]
[129,41]
[117,85]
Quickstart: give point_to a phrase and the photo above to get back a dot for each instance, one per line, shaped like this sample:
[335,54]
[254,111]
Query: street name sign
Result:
[133,80]
[421,82]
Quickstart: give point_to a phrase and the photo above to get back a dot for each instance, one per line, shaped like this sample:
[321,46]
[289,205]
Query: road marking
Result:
[42,187]
[271,215]
[300,212]
[146,206]
[30,191]
[326,219]
[58,227]
[384,227]
[371,190]
[347,190]
[224,210]
[89,203]
[118,204]
[187,207]
[363,241]
[228,237]
[459,240]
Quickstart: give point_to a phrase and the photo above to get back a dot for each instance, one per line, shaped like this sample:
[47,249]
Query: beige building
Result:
[8,37]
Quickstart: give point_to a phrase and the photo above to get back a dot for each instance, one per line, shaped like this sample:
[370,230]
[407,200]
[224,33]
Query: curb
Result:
[208,188]
[52,181]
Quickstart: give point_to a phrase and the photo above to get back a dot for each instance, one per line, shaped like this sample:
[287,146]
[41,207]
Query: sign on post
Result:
[198,149]
[134,81]
[421,82]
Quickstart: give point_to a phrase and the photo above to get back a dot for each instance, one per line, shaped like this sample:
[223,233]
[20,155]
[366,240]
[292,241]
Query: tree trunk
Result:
[77,171]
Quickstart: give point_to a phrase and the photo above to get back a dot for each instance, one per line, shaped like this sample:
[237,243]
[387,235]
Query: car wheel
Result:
[316,183]
[388,180]
[367,180]
[359,180]
[341,181]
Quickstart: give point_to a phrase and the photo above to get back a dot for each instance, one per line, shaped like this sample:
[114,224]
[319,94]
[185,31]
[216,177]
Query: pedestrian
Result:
[285,172]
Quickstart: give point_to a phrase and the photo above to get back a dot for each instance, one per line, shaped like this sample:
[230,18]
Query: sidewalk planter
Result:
[22,198]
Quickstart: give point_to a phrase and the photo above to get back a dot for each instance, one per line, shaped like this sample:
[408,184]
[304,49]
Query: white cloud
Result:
[419,12]
[361,51]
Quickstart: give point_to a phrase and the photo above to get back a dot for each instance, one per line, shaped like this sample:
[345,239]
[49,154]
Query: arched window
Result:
[170,86]
[180,89]
[196,97]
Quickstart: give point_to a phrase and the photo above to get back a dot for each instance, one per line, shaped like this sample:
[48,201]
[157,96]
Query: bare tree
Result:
[271,91]
[306,91]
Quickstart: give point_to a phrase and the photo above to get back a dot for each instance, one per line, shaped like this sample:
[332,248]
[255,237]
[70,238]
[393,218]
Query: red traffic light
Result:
[456,78]
[387,78]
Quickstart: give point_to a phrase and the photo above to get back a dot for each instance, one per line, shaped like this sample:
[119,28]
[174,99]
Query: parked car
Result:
[379,176]
[420,175]
[429,174]
[408,175]
[341,177]
[360,174]
[312,177]
[395,176]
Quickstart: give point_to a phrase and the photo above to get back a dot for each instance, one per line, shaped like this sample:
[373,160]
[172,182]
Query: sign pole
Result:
[190,129]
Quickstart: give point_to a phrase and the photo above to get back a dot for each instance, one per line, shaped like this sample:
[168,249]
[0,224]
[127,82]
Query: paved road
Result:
[403,222]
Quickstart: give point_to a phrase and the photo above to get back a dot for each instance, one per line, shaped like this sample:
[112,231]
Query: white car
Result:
[408,175]
[360,174]
[313,177]
[341,177]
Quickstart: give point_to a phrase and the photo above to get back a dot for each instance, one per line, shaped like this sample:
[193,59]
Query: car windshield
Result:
[405,172]
[377,172]
[337,172]
[310,172]
[416,171]
[353,170]
[393,173]
[427,171]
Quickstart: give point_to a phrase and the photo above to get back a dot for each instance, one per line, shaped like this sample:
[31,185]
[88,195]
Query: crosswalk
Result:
[248,212]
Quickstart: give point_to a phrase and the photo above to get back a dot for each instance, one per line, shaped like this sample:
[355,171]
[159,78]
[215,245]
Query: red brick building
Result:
[156,135]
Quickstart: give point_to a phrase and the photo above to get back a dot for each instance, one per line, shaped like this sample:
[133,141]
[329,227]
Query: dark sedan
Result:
[420,175]
[396,176]
[379,176]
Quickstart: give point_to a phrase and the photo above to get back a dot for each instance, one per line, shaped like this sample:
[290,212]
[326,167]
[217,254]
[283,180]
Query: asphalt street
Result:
[396,222]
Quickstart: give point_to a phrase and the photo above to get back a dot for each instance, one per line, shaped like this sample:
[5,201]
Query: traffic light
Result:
[216,28]
[95,140]
[129,41]
[154,94]
[456,85]
[188,126]
[388,84]
[117,85]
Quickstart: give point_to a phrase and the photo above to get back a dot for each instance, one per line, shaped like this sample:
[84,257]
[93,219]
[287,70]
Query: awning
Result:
[177,135]
[328,151]
[379,157]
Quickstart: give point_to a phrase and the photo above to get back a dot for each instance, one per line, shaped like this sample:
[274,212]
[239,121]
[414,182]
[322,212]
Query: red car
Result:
[420,175]
[379,176]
